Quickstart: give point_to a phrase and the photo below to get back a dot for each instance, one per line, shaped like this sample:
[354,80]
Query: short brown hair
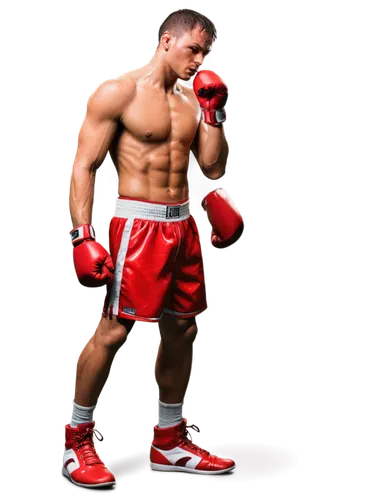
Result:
[184,20]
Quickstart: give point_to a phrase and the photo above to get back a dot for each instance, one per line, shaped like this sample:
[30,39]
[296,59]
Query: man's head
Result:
[186,38]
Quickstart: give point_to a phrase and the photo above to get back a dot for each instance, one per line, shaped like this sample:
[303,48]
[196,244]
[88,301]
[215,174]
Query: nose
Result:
[199,59]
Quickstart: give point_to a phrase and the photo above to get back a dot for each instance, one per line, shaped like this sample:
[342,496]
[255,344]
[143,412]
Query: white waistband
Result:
[137,209]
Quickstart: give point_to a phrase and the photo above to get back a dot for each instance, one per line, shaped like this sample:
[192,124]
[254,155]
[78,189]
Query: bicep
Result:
[104,109]
[94,139]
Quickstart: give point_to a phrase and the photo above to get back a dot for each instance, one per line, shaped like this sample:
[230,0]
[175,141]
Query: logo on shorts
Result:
[173,212]
[128,310]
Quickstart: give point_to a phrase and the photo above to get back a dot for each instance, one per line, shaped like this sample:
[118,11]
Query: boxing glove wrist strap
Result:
[82,232]
[214,116]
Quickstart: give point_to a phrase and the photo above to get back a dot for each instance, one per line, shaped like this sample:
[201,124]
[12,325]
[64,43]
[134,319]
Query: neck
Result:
[159,74]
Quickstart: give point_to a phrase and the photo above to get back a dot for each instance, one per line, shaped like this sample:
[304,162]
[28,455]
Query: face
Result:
[186,54]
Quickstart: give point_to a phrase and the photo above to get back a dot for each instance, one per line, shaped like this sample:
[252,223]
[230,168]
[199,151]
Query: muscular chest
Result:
[153,116]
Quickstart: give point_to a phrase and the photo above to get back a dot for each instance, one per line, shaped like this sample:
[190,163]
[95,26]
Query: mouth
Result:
[192,70]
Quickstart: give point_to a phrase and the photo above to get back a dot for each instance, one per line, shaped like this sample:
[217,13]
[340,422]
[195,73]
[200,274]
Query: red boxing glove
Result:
[93,264]
[212,94]
[226,221]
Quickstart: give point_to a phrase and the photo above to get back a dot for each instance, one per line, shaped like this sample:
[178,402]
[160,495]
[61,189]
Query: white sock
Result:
[81,414]
[169,414]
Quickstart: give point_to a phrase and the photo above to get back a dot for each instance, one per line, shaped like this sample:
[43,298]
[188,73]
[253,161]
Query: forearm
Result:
[81,196]
[215,152]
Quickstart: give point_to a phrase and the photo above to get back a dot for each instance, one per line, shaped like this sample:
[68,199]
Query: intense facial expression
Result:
[187,53]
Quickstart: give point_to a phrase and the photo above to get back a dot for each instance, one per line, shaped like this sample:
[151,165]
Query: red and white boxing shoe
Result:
[81,462]
[173,450]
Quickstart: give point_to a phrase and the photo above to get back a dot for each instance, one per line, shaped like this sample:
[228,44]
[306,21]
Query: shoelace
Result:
[189,441]
[84,441]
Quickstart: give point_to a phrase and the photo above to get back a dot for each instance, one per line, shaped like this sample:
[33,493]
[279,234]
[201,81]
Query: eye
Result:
[194,49]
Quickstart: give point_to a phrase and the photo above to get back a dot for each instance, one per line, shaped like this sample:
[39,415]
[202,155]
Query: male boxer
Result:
[154,271]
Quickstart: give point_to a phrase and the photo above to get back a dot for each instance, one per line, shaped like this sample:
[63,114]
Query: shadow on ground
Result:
[253,461]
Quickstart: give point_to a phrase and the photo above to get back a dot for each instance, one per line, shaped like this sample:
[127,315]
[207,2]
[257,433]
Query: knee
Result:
[112,333]
[190,333]
[178,331]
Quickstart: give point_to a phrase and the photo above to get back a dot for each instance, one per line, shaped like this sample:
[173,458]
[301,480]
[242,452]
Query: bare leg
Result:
[175,355]
[96,358]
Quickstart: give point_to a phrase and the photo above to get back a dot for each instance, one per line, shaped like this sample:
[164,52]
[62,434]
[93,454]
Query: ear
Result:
[166,40]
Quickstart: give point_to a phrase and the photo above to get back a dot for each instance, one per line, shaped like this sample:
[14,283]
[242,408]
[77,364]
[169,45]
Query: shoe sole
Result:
[176,468]
[66,474]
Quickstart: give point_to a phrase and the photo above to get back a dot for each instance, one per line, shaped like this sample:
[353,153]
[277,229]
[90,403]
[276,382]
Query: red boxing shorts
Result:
[158,261]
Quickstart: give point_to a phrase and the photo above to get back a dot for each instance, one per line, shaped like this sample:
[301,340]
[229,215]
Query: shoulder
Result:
[110,97]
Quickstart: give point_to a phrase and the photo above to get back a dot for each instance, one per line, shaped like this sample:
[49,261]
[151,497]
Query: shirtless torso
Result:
[151,146]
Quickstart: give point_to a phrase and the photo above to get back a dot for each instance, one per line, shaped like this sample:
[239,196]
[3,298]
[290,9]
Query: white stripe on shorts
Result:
[117,278]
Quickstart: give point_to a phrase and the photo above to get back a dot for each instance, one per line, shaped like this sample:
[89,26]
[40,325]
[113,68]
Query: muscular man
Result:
[153,272]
